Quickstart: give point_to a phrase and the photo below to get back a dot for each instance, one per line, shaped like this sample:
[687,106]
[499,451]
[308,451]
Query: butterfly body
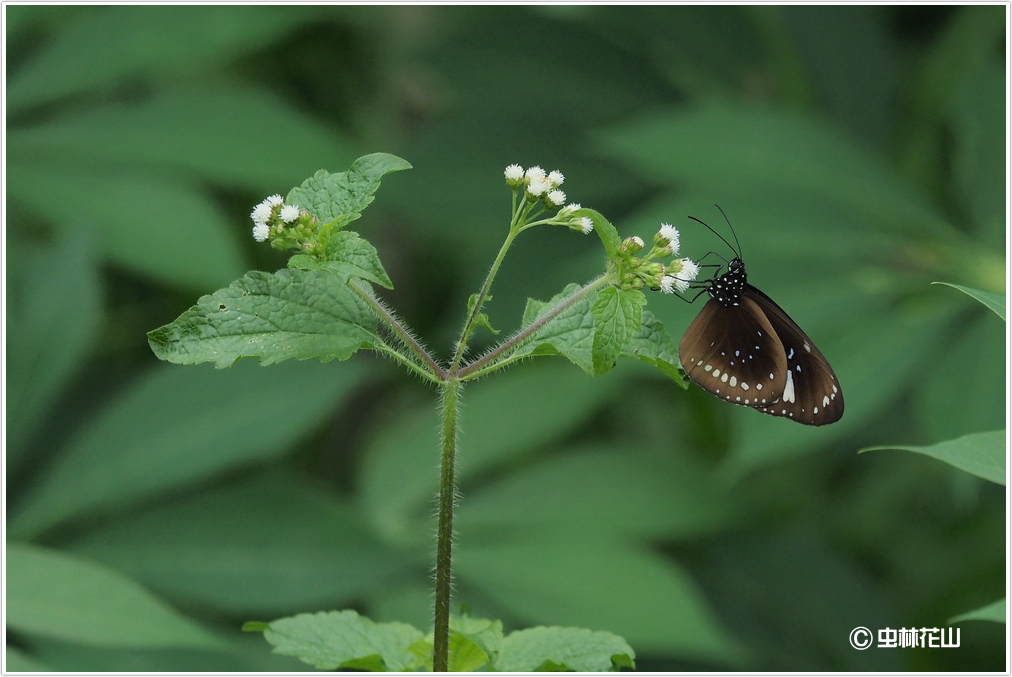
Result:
[746,349]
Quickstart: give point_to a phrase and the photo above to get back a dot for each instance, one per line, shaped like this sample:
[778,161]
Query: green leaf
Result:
[348,256]
[554,648]
[482,319]
[174,427]
[996,302]
[193,131]
[774,151]
[59,596]
[618,314]
[343,639]
[19,661]
[981,454]
[248,535]
[651,495]
[338,199]
[571,580]
[274,316]
[484,635]
[652,344]
[109,45]
[991,612]
[570,333]
[573,334]
[465,654]
[53,314]
[162,227]
[604,229]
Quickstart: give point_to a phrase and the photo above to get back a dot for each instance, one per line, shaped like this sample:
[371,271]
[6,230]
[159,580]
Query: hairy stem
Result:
[402,333]
[444,530]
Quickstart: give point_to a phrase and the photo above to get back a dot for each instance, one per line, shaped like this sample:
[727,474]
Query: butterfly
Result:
[746,349]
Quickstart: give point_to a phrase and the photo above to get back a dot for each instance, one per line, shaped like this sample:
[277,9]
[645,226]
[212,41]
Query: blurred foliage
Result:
[858,150]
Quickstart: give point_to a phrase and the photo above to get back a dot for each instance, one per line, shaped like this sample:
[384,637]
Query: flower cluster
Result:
[286,226]
[636,272]
[542,188]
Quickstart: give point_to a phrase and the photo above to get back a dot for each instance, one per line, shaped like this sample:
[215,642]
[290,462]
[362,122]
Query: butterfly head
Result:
[727,288]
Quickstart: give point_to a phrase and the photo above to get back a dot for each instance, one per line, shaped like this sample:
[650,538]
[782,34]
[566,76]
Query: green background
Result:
[859,152]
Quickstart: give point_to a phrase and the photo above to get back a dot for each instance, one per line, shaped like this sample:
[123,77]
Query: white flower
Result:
[670,233]
[570,208]
[261,231]
[535,173]
[668,284]
[274,200]
[289,213]
[586,225]
[538,186]
[261,213]
[514,173]
[556,178]
[689,270]
[556,197]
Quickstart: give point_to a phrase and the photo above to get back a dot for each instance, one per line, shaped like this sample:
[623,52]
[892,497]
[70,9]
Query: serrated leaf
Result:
[343,639]
[617,316]
[553,648]
[996,302]
[52,594]
[992,612]
[338,199]
[300,314]
[570,334]
[981,454]
[652,344]
[347,255]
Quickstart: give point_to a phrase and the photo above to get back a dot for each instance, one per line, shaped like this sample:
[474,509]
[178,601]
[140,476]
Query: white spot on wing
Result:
[789,388]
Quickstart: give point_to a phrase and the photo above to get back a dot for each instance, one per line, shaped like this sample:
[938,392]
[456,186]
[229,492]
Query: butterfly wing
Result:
[734,352]
[810,392]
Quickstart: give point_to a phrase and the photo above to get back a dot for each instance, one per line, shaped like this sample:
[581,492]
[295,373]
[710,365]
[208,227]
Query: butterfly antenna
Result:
[738,251]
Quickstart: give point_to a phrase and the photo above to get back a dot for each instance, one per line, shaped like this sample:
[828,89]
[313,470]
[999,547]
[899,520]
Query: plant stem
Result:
[444,531]
[480,301]
[402,333]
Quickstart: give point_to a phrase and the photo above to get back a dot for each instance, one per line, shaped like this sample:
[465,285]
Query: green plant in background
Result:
[323,307]
[982,454]
[859,149]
